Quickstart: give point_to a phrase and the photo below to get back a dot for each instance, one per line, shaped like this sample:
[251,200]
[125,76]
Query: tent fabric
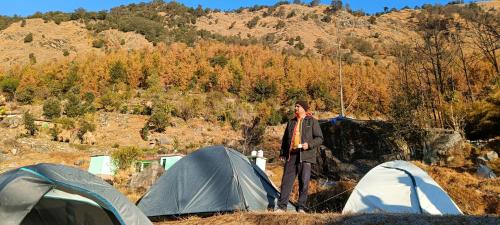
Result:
[26,192]
[399,187]
[210,180]
[53,211]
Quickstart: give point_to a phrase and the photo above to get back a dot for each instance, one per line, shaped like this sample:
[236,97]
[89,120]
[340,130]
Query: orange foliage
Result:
[367,86]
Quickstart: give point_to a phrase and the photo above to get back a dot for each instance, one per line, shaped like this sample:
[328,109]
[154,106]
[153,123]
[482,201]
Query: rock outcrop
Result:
[147,177]
[89,139]
[352,147]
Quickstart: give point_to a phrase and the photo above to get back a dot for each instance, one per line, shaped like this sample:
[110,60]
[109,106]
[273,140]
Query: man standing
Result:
[300,141]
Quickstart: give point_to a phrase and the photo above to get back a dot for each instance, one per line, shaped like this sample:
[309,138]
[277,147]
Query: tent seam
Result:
[413,182]
[237,179]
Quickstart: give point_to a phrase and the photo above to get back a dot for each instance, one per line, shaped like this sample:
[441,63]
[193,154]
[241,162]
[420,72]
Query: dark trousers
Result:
[294,167]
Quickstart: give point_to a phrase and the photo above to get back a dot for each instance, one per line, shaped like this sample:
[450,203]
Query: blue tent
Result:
[210,180]
[50,194]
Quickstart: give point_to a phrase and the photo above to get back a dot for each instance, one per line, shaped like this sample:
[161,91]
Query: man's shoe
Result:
[301,211]
[279,211]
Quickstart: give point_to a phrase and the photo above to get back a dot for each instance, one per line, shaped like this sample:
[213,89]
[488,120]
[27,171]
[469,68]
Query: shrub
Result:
[9,85]
[117,72]
[65,52]
[190,108]
[125,157]
[28,38]
[254,134]
[214,101]
[235,86]
[212,83]
[280,13]
[253,22]
[66,123]
[275,118]
[99,43]
[299,45]
[280,24]
[291,14]
[23,23]
[110,101]
[320,91]
[326,19]
[52,108]
[32,58]
[73,107]
[361,45]
[138,110]
[160,118]
[54,132]
[314,3]
[25,95]
[29,123]
[483,121]
[145,131]
[122,42]
[86,125]
[220,60]
[232,25]
[294,94]
[372,20]
[88,102]
[263,90]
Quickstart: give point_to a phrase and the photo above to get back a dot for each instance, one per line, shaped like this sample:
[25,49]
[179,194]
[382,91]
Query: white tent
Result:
[399,187]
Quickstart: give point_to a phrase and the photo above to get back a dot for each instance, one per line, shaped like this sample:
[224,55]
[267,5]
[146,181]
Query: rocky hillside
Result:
[48,42]
[313,29]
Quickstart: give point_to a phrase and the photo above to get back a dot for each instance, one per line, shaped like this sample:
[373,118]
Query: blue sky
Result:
[28,7]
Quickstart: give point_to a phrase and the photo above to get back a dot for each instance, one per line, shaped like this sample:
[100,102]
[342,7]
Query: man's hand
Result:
[282,158]
[305,146]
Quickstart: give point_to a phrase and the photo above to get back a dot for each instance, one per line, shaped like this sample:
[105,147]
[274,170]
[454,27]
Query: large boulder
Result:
[352,147]
[70,136]
[89,139]
[13,121]
[158,140]
[147,177]
[444,147]
[330,167]
[351,140]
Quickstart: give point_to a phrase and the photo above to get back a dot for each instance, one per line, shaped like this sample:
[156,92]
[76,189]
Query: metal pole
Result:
[342,113]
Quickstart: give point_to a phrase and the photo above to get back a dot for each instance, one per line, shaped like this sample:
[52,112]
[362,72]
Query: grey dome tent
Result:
[399,187]
[210,180]
[50,194]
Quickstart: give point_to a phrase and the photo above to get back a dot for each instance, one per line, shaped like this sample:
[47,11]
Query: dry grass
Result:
[31,157]
[473,195]
[241,218]
[495,4]
[121,181]
[329,218]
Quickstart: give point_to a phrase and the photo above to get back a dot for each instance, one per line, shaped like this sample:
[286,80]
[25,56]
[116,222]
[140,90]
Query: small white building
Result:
[101,165]
[168,161]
